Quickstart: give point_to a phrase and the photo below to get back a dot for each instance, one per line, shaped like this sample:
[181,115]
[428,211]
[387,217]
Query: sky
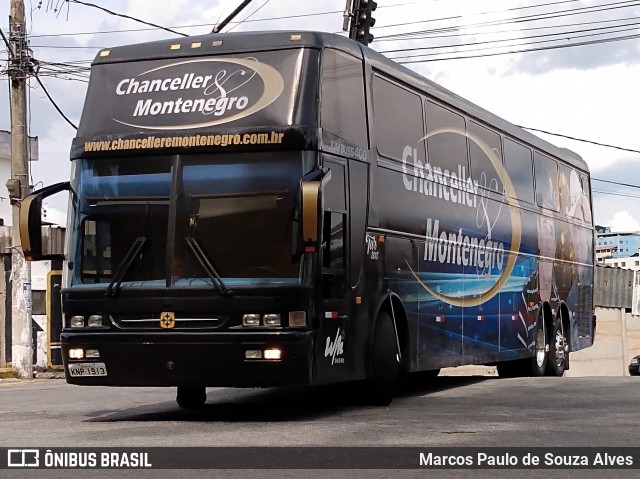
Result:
[589,91]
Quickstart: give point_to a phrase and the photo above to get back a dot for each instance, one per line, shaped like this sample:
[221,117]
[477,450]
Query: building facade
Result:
[615,245]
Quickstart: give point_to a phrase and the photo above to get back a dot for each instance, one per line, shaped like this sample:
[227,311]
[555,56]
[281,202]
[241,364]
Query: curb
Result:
[49,375]
[8,373]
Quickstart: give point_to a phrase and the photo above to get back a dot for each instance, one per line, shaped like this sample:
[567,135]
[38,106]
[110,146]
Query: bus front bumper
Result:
[186,359]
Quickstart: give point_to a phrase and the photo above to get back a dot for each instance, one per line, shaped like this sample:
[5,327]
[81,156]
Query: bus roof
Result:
[277,40]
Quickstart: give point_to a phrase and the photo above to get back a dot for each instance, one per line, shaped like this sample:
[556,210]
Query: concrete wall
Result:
[617,341]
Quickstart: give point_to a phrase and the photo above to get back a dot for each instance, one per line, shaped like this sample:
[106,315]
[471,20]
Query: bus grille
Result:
[184,321]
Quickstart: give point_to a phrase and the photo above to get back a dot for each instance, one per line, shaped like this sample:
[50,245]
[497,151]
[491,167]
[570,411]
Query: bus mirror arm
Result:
[312,207]
[30,222]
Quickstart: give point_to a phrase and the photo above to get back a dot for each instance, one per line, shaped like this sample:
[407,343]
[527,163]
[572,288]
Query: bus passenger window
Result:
[586,200]
[546,181]
[485,153]
[518,161]
[446,139]
[399,123]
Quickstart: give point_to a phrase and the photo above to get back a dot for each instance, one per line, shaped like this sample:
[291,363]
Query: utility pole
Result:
[18,187]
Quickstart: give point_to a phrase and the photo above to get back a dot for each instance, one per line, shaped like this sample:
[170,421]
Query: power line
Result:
[580,139]
[429,36]
[613,193]
[616,183]
[514,43]
[459,17]
[231,16]
[53,102]
[249,16]
[286,17]
[537,49]
[506,21]
[572,33]
[110,12]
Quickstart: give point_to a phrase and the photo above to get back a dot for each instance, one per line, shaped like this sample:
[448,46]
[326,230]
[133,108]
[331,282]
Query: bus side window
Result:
[446,138]
[485,153]
[546,181]
[518,161]
[399,128]
[342,103]
[586,199]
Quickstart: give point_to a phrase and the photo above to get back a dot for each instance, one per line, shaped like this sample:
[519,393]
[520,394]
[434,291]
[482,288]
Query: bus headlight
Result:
[251,320]
[76,322]
[272,320]
[95,321]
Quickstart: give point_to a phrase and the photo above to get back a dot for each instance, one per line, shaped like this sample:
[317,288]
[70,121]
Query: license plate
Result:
[87,369]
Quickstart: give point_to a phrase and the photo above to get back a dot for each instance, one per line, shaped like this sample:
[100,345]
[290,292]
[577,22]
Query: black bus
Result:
[284,208]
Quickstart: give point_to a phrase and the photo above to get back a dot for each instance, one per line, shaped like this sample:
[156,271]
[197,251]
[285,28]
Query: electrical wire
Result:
[572,33]
[554,47]
[580,139]
[249,16]
[286,17]
[616,183]
[505,21]
[110,12]
[54,103]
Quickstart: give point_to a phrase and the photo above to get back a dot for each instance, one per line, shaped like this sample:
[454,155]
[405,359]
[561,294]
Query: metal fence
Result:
[614,288]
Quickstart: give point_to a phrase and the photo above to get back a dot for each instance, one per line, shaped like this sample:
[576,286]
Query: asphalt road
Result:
[449,412]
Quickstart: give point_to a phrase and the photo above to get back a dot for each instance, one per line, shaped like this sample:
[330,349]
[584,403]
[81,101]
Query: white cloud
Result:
[623,222]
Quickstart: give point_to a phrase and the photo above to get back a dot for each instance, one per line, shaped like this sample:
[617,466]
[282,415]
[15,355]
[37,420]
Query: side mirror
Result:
[311,192]
[312,202]
[31,223]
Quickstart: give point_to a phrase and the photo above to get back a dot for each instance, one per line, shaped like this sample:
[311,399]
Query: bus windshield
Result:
[240,210]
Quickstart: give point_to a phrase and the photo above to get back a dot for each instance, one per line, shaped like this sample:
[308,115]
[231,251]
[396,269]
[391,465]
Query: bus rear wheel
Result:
[382,383]
[191,397]
[541,349]
[558,350]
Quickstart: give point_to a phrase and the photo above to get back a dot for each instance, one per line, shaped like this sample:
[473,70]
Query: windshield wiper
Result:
[124,266]
[204,261]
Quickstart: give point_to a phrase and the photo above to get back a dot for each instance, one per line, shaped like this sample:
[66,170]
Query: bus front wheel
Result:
[382,383]
[191,397]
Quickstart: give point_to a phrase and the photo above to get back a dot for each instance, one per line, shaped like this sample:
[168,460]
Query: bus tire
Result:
[382,383]
[191,397]
[558,350]
[540,349]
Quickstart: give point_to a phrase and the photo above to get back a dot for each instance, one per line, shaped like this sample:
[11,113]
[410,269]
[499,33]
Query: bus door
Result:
[334,331]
